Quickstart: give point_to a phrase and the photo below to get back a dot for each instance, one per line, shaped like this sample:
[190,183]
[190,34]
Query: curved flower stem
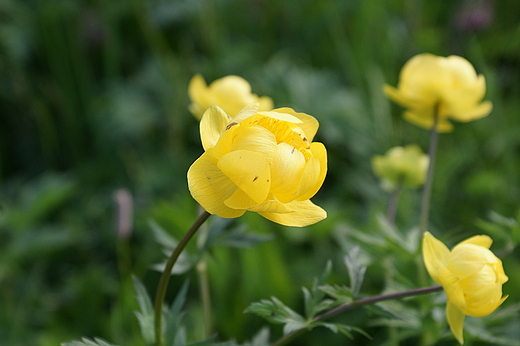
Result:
[393,202]
[427,190]
[163,282]
[349,306]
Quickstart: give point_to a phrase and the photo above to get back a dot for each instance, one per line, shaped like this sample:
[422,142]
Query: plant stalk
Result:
[427,190]
[349,306]
[165,277]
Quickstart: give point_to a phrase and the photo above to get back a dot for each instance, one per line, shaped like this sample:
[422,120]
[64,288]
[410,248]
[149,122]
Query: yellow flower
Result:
[471,275]
[264,162]
[231,93]
[449,84]
[407,164]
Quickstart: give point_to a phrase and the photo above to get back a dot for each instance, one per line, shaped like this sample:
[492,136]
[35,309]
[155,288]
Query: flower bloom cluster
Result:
[448,87]
[406,165]
[231,93]
[264,162]
[471,275]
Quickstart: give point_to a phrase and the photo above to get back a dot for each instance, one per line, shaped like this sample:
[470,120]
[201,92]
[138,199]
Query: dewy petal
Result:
[309,124]
[304,213]
[435,255]
[210,187]
[249,170]
[314,172]
[286,172]
[456,321]
[255,138]
[212,125]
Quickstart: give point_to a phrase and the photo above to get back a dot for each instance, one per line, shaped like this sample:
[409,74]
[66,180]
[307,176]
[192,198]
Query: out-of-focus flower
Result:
[231,93]
[448,86]
[471,275]
[406,165]
[264,162]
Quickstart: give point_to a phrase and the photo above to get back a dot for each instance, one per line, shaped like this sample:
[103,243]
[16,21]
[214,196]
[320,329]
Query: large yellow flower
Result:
[450,85]
[231,93]
[471,275]
[407,165]
[264,162]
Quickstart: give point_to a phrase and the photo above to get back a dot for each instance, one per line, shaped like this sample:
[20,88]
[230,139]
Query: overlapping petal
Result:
[231,93]
[471,275]
[266,161]
[450,86]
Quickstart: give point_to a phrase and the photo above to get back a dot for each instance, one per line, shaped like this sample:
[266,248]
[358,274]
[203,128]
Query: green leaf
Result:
[277,312]
[356,272]
[313,299]
[87,342]
[342,294]
[146,314]
[174,333]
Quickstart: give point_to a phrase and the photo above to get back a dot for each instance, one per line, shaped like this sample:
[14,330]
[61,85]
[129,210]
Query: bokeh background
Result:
[93,99]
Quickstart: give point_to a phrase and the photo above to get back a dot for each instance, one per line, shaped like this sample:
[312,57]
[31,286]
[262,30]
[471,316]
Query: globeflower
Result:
[406,165]
[450,87]
[471,275]
[264,162]
[231,93]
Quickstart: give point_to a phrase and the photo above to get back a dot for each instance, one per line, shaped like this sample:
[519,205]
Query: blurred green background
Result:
[93,99]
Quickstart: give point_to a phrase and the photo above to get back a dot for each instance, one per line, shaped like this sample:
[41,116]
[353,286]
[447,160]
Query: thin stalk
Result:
[349,306]
[165,278]
[427,190]
[202,269]
[393,202]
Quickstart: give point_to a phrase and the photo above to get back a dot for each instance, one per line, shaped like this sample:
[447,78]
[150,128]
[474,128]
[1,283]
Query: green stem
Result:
[393,202]
[427,190]
[163,282]
[349,306]
[202,269]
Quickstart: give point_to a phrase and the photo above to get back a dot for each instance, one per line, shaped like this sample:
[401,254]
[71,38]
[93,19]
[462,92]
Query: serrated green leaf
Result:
[88,342]
[342,294]
[275,312]
[313,298]
[146,314]
[173,318]
[356,272]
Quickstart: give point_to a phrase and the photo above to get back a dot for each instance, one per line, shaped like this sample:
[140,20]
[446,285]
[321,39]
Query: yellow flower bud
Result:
[264,162]
[231,93]
[450,86]
[471,275]
[407,165]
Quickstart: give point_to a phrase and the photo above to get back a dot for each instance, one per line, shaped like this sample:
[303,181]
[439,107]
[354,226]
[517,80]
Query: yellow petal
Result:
[479,111]
[426,121]
[240,200]
[453,288]
[286,171]
[266,103]
[314,173]
[249,170]
[456,321]
[304,213]
[212,125]
[309,124]
[197,91]
[246,112]
[435,255]
[255,138]
[468,259]
[481,240]
[281,116]
[210,187]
